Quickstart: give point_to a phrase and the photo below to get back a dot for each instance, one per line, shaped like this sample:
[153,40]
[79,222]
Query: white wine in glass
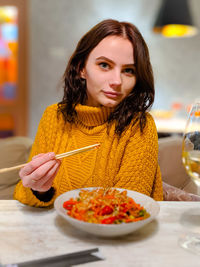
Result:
[191,161]
[191,145]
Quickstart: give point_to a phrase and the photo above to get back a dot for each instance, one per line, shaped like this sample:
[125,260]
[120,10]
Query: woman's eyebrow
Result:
[130,65]
[104,58]
[109,60]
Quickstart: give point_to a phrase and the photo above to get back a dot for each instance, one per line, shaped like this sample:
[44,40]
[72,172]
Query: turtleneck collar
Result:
[92,116]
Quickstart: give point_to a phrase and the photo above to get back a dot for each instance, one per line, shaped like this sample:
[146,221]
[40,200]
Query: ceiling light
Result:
[174,19]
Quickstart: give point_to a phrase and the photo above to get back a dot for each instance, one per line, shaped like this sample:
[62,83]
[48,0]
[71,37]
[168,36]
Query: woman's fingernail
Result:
[51,155]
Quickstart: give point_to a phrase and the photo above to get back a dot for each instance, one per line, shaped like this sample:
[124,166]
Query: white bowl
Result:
[106,230]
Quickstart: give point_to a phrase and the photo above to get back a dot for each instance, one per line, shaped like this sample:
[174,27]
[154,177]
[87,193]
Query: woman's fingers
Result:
[45,183]
[42,170]
[37,156]
[35,163]
[38,174]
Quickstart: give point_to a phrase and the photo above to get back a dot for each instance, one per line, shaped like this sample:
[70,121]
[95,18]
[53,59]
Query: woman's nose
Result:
[115,80]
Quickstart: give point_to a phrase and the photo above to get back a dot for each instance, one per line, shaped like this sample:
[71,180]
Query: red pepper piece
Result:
[106,210]
[109,220]
[69,204]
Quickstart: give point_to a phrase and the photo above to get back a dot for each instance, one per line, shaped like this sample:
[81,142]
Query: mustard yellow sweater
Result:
[130,161]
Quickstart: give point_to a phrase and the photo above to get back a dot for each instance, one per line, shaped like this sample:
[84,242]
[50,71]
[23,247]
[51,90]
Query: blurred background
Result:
[37,38]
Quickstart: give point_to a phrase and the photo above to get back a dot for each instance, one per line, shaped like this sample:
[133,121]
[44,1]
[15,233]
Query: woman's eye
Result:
[104,65]
[129,71]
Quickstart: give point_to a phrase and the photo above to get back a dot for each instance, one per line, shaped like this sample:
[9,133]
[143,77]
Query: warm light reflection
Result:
[177,30]
[8,14]
[8,66]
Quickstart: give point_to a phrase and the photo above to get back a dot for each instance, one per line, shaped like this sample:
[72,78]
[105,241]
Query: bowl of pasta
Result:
[106,212]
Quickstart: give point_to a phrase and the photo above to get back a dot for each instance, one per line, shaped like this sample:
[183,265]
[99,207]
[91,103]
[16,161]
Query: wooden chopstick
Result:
[77,151]
[59,156]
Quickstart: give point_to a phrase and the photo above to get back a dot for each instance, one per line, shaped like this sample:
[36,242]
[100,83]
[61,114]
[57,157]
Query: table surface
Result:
[28,233]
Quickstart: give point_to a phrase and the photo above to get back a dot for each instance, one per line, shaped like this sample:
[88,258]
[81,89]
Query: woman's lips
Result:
[111,94]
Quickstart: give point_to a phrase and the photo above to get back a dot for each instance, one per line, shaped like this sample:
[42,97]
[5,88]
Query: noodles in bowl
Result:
[122,211]
[105,207]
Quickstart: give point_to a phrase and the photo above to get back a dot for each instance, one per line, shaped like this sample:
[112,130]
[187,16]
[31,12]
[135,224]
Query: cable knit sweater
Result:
[129,162]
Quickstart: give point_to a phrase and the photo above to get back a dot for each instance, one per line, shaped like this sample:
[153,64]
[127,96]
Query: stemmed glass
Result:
[191,161]
[191,145]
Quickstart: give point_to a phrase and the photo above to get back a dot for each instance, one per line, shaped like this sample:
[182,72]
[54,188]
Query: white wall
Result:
[56,27]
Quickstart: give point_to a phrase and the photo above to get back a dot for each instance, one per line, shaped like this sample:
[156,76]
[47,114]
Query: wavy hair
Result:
[141,98]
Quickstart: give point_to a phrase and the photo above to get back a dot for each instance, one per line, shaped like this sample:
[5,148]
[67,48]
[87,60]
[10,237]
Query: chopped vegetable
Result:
[105,207]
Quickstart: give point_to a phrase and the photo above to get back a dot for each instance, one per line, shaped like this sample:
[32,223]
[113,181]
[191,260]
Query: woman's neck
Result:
[92,116]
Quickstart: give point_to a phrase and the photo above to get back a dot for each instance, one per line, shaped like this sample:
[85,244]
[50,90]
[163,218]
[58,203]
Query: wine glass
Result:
[191,161]
[191,145]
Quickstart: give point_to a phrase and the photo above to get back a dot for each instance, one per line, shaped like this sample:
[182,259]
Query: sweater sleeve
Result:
[139,168]
[40,145]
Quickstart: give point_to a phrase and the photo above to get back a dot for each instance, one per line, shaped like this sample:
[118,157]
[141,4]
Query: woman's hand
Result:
[39,173]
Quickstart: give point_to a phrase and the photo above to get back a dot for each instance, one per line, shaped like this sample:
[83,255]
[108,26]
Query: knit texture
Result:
[129,162]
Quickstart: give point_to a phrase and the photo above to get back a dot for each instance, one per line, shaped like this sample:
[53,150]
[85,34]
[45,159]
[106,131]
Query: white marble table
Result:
[29,233]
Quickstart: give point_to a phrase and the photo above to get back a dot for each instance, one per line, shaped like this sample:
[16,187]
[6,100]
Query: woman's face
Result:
[109,72]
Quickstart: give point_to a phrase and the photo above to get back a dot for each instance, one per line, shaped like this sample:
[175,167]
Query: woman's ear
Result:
[82,73]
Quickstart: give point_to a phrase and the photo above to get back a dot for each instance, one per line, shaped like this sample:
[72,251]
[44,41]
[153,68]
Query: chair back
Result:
[171,166]
[13,151]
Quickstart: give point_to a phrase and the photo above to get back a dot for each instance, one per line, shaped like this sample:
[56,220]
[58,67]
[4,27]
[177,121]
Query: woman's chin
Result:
[110,104]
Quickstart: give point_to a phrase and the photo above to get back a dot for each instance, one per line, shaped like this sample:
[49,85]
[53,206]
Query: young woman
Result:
[108,88]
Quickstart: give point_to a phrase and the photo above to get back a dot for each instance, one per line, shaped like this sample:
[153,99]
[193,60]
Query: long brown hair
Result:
[132,107]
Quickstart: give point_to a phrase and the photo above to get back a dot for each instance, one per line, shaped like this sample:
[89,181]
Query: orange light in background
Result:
[13,47]
[8,14]
[176,106]
[197,113]
[178,30]
[11,67]
[174,19]
[6,122]
[8,53]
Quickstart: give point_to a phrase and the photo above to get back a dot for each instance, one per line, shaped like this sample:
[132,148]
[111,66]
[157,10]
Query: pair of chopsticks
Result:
[67,260]
[59,156]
